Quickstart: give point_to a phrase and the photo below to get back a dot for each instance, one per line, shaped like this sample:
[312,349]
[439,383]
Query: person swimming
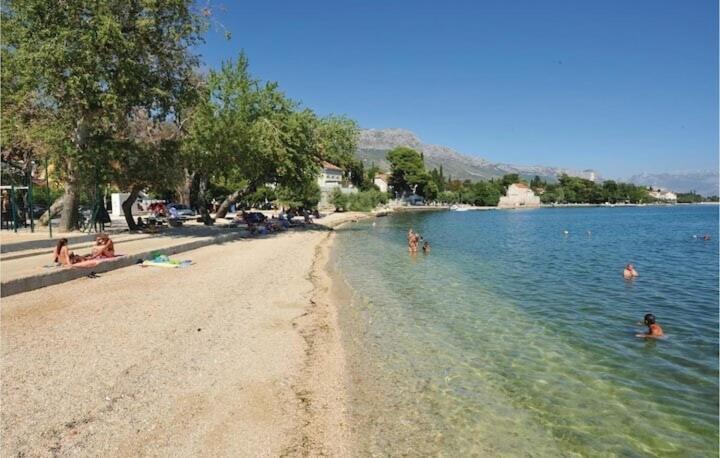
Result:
[426,247]
[654,329]
[630,272]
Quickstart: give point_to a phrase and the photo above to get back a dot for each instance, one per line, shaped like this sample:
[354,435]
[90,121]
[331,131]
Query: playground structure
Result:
[18,210]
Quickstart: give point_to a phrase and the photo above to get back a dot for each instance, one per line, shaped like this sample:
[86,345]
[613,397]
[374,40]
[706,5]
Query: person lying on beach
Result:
[654,329]
[426,247]
[62,254]
[104,247]
[630,272]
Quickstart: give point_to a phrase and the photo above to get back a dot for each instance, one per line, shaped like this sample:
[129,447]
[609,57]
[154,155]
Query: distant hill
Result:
[704,183]
[375,143]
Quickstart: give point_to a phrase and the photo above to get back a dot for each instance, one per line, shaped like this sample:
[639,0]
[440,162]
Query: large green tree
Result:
[249,134]
[408,174]
[92,64]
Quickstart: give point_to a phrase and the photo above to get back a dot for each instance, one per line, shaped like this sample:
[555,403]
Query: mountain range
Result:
[375,143]
[702,182]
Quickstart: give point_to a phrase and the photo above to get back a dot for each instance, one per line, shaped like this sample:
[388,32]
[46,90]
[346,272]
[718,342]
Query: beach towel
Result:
[96,261]
[163,261]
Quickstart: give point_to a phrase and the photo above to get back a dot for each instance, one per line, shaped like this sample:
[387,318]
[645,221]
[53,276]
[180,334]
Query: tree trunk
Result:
[183,191]
[71,200]
[202,194]
[127,208]
[229,200]
[52,212]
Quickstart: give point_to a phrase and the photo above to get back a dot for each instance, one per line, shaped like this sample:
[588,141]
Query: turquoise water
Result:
[514,339]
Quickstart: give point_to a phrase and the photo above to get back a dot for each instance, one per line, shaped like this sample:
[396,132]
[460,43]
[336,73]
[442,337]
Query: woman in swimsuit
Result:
[104,247]
[62,254]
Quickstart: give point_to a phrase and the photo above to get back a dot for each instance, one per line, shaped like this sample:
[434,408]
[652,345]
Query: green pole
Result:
[30,200]
[13,208]
[49,210]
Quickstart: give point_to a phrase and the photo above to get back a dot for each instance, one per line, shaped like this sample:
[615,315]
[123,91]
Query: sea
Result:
[516,334]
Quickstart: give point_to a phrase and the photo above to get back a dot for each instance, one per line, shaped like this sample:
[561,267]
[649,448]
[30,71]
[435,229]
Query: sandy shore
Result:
[237,355]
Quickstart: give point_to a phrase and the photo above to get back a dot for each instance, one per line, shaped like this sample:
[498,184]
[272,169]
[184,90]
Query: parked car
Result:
[182,210]
[38,210]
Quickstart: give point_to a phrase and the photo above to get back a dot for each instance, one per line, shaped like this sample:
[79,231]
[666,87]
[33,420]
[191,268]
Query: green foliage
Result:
[304,196]
[689,198]
[337,140]
[567,190]
[407,173]
[87,67]
[362,201]
[509,179]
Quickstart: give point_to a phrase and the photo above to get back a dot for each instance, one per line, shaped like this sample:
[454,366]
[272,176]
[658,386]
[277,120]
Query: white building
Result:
[330,179]
[381,181]
[519,195]
[664,196]
[140,206]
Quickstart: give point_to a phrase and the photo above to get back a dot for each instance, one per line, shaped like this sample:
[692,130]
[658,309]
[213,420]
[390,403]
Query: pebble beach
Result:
[238,354]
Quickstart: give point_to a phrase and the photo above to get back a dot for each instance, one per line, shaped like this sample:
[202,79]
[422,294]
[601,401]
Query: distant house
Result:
[330,176]
[664,196]
[381,181]
[330,179]
[519,195]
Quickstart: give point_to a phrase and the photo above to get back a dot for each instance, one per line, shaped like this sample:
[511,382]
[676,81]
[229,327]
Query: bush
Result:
[363,201]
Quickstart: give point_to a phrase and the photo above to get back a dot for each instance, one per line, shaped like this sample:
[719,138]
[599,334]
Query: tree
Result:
[408,173]
[92,64]
[250,134]
[510,178]
[144,155]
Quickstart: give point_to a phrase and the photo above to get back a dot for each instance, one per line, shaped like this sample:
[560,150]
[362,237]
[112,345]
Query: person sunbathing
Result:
[63,255]
[630,272]
[104,247]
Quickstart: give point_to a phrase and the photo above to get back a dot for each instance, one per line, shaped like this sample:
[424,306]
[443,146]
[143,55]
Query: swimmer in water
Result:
[426,247]
[706,237]
[630,272]
[654,329]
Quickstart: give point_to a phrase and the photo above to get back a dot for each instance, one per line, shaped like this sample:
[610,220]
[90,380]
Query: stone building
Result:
[519,195]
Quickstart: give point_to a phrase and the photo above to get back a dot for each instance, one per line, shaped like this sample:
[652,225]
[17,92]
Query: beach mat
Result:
[166,263]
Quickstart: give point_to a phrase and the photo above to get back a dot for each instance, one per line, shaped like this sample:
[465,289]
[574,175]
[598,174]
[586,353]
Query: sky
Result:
[621,87]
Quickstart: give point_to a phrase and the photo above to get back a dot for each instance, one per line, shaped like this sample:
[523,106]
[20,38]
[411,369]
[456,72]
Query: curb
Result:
[33,282]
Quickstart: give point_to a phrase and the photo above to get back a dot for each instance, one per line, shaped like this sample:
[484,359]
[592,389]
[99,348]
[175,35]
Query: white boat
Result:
[459,208]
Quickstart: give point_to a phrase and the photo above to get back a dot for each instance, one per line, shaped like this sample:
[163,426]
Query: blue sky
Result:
[618,86]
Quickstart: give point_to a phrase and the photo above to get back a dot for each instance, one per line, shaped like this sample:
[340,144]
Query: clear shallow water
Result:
[511,338]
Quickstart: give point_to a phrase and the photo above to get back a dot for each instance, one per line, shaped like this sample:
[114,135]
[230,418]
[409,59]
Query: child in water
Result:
[426,247]
[654,329]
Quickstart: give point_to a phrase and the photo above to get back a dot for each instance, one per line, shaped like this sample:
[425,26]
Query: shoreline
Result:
[323,389]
